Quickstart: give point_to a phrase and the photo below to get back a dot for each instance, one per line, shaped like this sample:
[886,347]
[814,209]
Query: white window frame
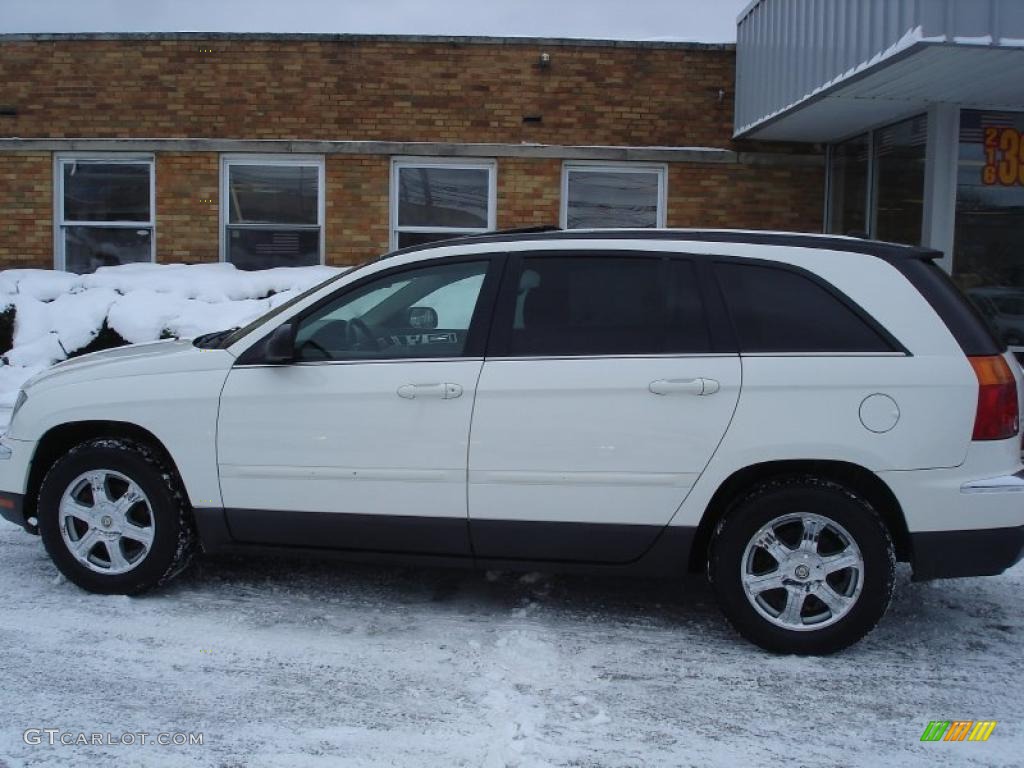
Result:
[398,163]
[60,159]
[229,159]
[583,166]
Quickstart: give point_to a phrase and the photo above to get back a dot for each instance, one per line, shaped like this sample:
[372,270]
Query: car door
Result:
[603,397]
[361,442]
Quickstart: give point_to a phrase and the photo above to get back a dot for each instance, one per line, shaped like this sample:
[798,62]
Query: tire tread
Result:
[187,539]
[732,519]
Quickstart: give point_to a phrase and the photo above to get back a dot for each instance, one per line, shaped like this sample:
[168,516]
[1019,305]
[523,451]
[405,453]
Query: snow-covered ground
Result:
[59,313]
[290,663]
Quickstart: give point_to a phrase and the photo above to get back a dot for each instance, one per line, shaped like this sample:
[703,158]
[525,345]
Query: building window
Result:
[272,211]
[104,211]
[876,183]
[848,187]
[620,195]
[987,259]
[899,181]
[440,199]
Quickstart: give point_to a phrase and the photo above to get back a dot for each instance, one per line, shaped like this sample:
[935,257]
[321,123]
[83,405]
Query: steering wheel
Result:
[357,327]
[315,345]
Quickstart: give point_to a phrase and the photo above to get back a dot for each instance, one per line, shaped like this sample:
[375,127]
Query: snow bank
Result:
[58,313]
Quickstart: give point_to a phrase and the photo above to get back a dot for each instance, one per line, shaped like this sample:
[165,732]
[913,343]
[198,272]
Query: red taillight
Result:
[998,417]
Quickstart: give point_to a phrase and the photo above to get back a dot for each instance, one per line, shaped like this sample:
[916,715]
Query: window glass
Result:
[606,306]
[849,188]
[88,248]
[273,194]
[900,158]
[97,191]
[454,302]
[420,313]
[106,212]
[436,196]
[273,213]
[439,201]
[988,259]
[777,310]
[598,197]
[876,183]
[264,248]
[688,327]
[245,330]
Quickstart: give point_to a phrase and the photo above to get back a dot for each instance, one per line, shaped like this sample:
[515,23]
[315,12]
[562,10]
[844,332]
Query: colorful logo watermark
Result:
[958,730]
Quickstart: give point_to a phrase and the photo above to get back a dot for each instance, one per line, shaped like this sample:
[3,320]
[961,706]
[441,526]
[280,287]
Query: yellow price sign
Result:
[1004,157]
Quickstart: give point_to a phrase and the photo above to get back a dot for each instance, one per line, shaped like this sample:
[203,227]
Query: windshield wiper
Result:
[212,340]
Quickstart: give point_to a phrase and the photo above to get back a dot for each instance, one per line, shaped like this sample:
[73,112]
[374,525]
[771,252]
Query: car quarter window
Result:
[416,313]
[775,309]
[605,305]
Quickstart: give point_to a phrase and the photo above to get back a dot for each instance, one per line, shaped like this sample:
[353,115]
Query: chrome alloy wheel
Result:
[802,571]
[106,522]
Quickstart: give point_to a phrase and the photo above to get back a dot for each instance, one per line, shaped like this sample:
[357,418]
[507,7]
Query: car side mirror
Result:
[422,318]
[280,346]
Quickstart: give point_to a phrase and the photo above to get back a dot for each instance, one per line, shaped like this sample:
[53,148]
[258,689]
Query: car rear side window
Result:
[606,305]
[775,309]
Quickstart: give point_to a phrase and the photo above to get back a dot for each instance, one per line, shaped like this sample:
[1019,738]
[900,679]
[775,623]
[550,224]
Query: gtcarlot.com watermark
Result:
[56,737]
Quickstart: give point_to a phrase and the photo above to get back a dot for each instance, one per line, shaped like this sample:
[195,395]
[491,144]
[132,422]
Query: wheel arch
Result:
[60,439]
[862,481]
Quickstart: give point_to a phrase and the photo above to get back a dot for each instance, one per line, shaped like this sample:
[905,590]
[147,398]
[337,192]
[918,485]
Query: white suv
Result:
[792,413]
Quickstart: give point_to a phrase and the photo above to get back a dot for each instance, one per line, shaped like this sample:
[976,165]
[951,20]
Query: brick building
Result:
[269,150]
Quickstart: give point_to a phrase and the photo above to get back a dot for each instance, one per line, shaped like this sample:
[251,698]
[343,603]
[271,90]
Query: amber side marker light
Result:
[998,416]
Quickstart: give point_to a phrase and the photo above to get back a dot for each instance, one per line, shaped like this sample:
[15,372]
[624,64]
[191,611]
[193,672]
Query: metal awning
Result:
[823,70]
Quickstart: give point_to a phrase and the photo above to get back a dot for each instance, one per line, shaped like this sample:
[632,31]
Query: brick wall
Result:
[746,197]
[26,209]
[366,89]
[529,192]
[357,212]
[378,89]
[187,214]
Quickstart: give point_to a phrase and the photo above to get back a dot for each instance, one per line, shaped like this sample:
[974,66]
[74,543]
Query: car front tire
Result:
[113,518]
[802,565]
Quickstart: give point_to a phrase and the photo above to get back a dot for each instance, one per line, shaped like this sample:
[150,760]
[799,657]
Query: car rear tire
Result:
[113,518]
[802,565]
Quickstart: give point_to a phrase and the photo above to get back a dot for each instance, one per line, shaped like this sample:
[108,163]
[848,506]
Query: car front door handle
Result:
[445,391]
[684,387]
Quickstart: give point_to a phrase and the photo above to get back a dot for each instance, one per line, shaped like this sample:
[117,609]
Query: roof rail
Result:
[876,248]
[470,237]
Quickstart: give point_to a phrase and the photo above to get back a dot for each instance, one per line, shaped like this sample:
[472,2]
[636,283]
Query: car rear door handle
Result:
[445,391]
[684,387]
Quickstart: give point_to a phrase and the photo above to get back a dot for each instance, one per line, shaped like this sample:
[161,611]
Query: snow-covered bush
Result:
[48,316]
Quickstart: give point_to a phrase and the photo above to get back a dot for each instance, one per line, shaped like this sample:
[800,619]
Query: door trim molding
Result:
[446,536]
[265,472]
[512,544]
[530,477]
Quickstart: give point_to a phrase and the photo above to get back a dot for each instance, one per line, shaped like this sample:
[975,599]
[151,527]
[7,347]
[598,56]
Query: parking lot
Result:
[321,663]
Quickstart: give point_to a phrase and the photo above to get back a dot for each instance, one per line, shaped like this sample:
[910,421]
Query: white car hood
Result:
[157,357]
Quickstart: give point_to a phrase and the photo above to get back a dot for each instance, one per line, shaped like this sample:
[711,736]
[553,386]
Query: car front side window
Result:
[419,313]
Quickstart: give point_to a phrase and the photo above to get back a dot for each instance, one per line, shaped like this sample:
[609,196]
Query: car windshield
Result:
[242,332]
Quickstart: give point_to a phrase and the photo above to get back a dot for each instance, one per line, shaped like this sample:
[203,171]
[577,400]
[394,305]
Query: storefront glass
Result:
[848,206]
[876,183]
[899,172]
[988,256]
